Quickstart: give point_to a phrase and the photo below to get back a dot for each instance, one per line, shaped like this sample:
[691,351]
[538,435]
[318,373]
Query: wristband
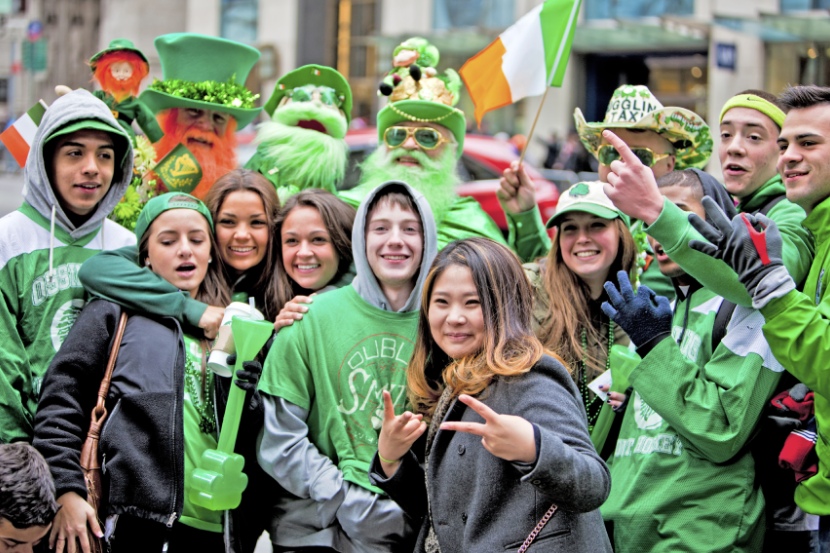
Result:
[387,461]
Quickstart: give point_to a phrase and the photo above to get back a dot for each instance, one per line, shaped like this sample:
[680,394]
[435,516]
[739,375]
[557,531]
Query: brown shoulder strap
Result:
[100,410]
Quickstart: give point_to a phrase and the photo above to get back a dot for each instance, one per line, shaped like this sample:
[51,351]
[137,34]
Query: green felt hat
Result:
[635,107]
[117,45]
[317,75]
[204,72]
[424,111]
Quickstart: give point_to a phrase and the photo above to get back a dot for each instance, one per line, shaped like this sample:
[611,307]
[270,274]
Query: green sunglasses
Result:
[326,95]
[607,153]
[426,137]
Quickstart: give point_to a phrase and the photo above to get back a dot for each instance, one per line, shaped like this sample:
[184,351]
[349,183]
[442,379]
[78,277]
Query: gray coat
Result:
[482,503]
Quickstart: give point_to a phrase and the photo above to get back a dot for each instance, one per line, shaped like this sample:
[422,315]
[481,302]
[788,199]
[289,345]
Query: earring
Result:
[146,262]
[210,260]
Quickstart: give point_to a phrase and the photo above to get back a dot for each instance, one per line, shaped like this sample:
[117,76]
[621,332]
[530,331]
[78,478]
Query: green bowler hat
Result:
[117,45]
[203,72]
[317,75]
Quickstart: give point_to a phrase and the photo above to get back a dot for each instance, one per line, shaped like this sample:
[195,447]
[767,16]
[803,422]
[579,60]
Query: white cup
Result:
[223,346]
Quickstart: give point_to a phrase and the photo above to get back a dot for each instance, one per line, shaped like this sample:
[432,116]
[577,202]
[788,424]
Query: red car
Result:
[481,164]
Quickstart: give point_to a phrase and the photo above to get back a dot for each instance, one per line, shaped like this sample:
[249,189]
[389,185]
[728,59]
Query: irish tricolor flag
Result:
[525,59]
[20,135]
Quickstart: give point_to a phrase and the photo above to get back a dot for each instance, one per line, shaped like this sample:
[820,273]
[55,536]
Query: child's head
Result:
[27,497]
[175,241]
[315,229]
[83,158]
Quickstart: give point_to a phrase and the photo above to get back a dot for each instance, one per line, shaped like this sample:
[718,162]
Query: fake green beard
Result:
[435,179]
[305,158]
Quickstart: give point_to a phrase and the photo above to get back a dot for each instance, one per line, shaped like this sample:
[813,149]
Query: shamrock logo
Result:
[580,189]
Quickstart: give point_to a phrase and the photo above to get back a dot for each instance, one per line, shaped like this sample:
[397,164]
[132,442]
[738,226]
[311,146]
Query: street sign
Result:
[33,55]
[726,55]
[34,30]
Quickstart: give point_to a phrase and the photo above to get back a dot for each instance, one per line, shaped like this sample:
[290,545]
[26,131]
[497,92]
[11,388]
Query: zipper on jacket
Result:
[171,520]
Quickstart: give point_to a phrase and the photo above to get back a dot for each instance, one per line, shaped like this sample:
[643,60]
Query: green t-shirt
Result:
[199,434]
[335,363]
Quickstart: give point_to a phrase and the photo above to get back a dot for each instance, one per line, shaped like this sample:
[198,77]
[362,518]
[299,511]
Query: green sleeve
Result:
[16,423]
[673,230]
[527,235]
[716,408]
[147,122]
[286,373]
[115,275]
[798,333]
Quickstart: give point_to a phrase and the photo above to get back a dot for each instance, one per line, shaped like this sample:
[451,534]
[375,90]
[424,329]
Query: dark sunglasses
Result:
[607,153]
[327,95]
[426,137]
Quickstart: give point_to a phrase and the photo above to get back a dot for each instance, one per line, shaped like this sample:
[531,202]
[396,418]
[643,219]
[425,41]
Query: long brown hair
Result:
[266,287]
[569,296]
[338,218]
[510,347]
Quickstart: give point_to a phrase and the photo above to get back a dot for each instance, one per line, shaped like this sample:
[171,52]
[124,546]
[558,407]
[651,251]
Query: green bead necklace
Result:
[593,405]
[202,400]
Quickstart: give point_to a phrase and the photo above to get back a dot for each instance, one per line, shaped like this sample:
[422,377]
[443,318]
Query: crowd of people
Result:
[642,372]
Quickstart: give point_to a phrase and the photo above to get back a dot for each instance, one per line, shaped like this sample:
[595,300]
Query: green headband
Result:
[757,103]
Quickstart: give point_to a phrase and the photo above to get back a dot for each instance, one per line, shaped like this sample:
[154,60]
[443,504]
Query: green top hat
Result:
[635,107]
[317,75]
[117,45]
[203,72]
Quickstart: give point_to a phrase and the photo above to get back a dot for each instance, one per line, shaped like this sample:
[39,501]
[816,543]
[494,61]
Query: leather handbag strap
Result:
[99,413]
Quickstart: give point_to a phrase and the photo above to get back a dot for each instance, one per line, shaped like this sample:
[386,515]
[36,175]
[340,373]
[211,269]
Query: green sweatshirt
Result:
[673,230]
[798,331]
[682,476]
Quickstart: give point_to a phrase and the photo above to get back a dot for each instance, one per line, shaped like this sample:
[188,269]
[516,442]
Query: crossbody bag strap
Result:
[532,536]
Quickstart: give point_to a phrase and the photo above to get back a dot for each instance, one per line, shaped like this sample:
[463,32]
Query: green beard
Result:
[305,158]
[435,179]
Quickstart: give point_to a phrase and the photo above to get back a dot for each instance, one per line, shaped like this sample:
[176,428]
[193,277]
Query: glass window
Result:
[802,5]
[487,14]
[239,20]
[614,9]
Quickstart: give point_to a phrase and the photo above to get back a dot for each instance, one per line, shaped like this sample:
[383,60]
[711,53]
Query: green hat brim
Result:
[158,101]
[686,130]
[424,111]
[317,75]
[587,207]
[118,45]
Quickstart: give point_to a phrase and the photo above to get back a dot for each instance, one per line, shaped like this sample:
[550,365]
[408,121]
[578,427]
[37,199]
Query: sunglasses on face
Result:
[607,153]
[326,95]
[426,137]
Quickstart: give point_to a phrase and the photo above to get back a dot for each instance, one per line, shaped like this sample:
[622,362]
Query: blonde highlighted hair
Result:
[510,347]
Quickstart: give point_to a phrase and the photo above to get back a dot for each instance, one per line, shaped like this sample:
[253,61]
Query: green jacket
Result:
[673,230]
[798,330]
[682,478]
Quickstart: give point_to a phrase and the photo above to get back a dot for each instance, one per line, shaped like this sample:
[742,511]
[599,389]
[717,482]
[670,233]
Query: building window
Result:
[620,9]
[803,5]
[239,20]
[484,14]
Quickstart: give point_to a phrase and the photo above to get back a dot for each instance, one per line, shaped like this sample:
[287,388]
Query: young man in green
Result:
[78,169]
[683,478]
[323,380]
[749,127]
[797,324]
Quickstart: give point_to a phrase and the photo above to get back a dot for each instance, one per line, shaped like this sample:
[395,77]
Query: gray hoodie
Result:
[38,193]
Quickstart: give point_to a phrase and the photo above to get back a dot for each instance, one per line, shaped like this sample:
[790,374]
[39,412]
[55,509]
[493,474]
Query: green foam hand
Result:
[218,482]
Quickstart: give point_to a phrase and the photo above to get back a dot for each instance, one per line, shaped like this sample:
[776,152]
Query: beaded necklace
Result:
[593,405]
[202,400]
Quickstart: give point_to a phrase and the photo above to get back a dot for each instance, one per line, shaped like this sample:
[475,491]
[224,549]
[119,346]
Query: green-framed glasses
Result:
[326,95]
[426,137]
[607,153]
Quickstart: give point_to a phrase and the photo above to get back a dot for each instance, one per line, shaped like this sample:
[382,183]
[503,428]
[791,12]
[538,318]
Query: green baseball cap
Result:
[171,200]
[120,141]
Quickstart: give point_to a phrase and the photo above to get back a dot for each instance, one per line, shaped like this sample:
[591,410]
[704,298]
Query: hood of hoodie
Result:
[38,193]
[365,282]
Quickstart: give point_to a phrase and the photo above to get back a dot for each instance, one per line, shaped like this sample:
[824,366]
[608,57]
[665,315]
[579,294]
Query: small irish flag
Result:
[20,135]
[525,59]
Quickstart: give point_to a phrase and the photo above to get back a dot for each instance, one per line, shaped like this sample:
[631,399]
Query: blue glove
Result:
[751,245]
[645,316]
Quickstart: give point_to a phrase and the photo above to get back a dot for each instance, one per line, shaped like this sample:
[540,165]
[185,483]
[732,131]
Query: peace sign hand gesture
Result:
[507,437]
[397,434]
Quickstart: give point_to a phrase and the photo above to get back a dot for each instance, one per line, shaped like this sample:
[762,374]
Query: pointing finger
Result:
[625,152]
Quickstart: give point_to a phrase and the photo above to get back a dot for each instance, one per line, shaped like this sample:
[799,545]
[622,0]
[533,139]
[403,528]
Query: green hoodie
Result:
[673,230]
[682,478]
[798,331]
[40,294]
